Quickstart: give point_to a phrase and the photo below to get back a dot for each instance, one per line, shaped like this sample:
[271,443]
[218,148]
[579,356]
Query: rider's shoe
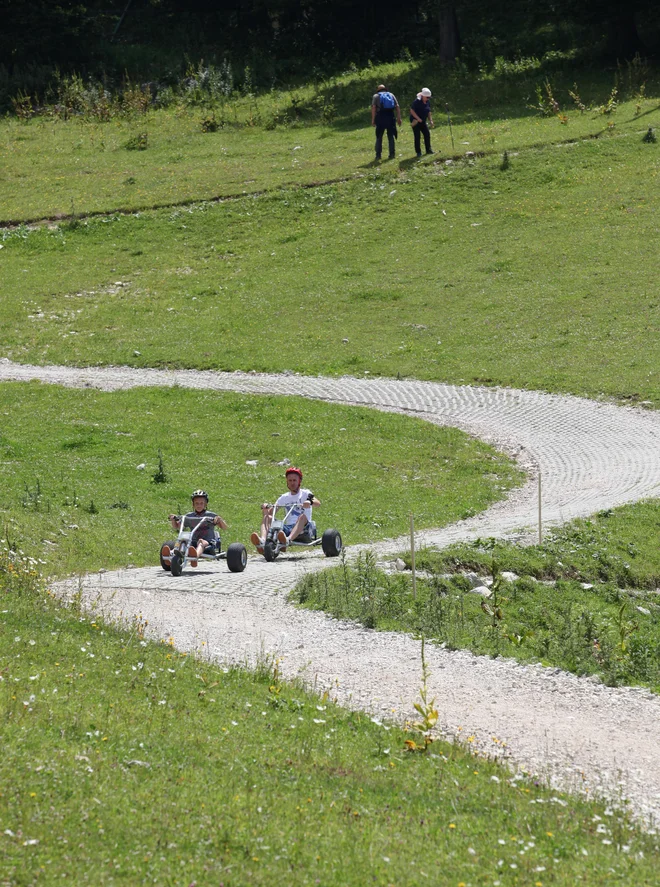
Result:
[256,541]
[192,556]
[166,551]
[282,539]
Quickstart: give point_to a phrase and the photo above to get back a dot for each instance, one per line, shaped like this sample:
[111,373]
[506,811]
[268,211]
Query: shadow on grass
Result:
[470,95]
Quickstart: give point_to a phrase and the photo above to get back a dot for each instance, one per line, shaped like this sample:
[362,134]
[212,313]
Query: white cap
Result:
[427,92]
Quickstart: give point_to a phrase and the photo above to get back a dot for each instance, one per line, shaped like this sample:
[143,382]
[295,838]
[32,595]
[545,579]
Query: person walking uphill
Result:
[420,113]
[384,109]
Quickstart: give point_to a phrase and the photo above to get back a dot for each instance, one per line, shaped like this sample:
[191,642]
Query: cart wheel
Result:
[176,564]
[270,550]
[236,557]
[165,564]
[331,543]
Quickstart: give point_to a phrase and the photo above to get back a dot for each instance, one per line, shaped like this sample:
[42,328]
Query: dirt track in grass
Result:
[577,733]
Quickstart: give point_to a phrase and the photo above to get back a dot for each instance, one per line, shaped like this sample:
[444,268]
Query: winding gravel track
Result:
[577,733]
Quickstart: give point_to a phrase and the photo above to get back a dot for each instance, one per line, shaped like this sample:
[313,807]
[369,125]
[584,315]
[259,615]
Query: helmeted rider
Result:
[206,535]
[299,517]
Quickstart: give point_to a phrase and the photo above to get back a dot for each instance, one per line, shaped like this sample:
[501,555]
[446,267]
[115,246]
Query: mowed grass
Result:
[73,497]
[313,134]
[126,762]
[586,600]
[539,276]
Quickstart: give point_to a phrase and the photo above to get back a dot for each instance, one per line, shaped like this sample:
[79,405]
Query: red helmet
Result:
[293,470]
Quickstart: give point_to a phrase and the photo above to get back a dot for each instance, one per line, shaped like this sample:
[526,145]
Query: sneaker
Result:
[192,556]
[430,152]
[419,155]
[256,541]
[281,538]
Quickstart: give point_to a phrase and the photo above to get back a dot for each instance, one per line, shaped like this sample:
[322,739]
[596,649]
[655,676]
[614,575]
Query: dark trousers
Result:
[388,126]
[420,129]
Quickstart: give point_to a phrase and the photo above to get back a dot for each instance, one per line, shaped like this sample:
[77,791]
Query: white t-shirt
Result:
[300,500]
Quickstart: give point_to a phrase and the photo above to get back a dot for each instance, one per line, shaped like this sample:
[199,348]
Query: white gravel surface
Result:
[573,731]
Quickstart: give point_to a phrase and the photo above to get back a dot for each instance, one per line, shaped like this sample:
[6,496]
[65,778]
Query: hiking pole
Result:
[451,132]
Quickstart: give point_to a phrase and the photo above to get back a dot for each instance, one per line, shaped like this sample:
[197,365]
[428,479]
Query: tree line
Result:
[283,39]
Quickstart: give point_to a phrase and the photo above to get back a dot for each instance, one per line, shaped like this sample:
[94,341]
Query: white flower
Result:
[319,721]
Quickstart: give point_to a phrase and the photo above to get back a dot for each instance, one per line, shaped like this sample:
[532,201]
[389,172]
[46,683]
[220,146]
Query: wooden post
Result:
[412,556]
[540,522]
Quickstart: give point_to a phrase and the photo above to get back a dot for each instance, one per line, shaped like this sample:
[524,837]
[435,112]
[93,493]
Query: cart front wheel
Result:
[331,543]
[176,563]
[236,557]
[270,550]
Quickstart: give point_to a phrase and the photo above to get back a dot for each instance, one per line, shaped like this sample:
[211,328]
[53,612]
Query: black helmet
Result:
[200,494]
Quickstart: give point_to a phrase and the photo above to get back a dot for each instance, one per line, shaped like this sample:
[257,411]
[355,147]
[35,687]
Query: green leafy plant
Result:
[160,477]
[138,142]
[426,709]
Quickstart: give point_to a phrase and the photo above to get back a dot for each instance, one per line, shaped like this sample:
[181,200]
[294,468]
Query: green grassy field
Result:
[124,762]
[306,136]
[72,495]
[266,783]
[538,277]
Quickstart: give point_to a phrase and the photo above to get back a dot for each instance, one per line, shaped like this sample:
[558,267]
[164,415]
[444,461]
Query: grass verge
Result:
[587,600]
[125,762]
[83,486]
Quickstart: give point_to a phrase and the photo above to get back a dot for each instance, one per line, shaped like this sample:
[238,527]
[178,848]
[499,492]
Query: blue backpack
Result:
[387,101]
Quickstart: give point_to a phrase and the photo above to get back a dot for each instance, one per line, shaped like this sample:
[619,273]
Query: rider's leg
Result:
[299,527]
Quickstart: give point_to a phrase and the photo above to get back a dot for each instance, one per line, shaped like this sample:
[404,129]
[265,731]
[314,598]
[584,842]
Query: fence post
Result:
[412,556]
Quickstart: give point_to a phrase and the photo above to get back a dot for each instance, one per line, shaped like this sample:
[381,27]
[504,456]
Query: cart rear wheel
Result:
[176,564]
[331,543]
[165,564]
[236,557]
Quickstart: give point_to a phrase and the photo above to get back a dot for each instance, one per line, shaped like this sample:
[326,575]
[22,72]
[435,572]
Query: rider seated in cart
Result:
[206,536]
[298,524]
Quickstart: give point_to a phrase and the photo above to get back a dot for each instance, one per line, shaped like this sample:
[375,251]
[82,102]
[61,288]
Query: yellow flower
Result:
[451,825]
[549,834]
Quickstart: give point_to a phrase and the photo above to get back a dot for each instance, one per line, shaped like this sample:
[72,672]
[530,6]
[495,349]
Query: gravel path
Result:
[591,456]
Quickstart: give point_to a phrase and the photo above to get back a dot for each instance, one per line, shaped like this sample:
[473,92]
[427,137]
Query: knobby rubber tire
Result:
[236,557]
[270,551]
[176,563]
[331,543]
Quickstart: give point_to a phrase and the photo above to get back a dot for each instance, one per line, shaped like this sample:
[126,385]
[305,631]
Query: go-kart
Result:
[174,555]
[330,541]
